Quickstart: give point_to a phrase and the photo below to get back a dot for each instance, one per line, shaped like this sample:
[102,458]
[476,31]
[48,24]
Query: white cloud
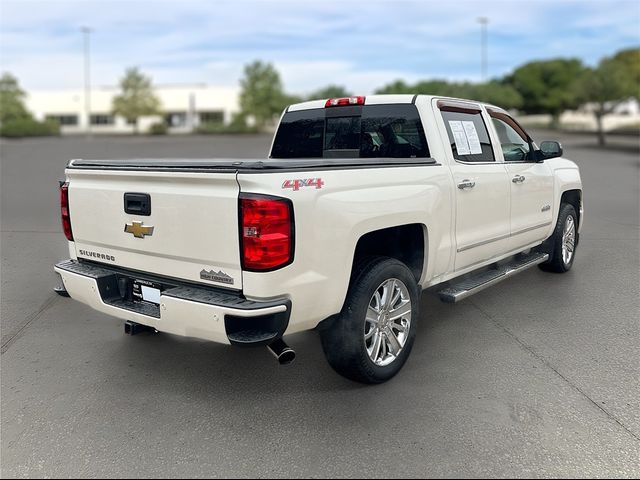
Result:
[304,77]
[360,45]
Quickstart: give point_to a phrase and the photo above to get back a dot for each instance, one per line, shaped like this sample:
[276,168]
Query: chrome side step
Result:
[467,287]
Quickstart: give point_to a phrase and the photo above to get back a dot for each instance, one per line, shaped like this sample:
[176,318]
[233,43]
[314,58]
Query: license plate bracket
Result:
[146,291]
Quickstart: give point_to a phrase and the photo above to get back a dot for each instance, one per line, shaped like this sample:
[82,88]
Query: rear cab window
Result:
[467,132]
[360,131]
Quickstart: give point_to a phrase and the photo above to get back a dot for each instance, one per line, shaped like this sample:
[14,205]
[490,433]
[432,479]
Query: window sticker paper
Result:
[460,137]
[472,138]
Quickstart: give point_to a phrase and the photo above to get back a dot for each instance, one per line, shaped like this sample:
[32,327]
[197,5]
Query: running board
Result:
[459,291]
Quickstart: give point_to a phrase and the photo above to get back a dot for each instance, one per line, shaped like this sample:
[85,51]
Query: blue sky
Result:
[361,45]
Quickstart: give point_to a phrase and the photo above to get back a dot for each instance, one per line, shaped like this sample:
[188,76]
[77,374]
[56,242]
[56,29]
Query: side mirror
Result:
[550,149]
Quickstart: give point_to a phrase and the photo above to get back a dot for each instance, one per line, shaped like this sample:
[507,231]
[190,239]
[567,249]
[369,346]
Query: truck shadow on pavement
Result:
[175,363]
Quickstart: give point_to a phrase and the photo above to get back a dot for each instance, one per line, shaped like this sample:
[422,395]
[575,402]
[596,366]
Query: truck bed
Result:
[213,165]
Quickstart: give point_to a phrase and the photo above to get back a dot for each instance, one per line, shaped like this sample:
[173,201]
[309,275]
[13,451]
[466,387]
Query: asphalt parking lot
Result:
[538,376]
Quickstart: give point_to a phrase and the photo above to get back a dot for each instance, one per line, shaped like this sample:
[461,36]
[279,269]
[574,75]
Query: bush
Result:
[217,128]
[630,129]
[28,127]
[238,125]
[159,128]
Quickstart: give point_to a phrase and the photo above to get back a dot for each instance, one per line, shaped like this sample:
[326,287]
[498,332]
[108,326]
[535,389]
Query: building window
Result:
[211,117]
[176,119]
[101,119]
[63,120]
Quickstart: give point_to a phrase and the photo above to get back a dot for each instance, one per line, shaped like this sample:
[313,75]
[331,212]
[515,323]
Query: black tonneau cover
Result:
[237,165]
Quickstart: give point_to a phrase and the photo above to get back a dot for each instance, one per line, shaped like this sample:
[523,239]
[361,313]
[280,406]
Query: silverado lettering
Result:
[101,256]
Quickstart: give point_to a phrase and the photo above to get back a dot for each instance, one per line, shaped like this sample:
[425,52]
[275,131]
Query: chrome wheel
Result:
[568,240]
[388,321]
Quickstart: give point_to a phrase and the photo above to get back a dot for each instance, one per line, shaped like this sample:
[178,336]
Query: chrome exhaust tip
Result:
[283,352]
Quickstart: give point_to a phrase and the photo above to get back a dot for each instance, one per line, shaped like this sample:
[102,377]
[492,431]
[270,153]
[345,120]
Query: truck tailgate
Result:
[194,216]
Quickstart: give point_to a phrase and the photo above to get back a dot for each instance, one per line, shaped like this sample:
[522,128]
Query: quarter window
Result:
[468,135]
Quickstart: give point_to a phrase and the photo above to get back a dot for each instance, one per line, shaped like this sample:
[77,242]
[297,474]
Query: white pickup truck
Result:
[361,205]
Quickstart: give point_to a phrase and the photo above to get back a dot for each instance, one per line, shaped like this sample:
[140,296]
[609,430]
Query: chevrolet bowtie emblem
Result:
[137,229]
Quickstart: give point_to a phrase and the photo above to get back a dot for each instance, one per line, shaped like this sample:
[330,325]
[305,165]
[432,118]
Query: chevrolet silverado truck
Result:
[362,203]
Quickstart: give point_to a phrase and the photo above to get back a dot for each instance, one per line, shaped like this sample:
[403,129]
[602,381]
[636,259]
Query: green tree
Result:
[290,99]
[440,87]
[261,93]
[330,91]
[548,86]
[396,87]
[494,92]
[137,98]
[629,60]
[613,81]
[11,100]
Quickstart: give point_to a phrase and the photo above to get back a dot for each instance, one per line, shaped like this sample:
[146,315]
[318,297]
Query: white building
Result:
[184,107]
[625,115]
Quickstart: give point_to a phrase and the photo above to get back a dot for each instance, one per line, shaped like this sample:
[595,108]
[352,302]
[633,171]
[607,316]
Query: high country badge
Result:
[218,276]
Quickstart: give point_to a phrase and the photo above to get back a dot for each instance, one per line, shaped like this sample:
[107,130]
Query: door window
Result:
[468,135]
[516,144]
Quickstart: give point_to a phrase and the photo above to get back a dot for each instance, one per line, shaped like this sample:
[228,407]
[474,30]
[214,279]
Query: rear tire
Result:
[563,241]
[370,340]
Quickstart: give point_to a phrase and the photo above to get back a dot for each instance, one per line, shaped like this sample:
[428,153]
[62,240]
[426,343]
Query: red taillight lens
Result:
[266,232]
[337,102]
[64,210]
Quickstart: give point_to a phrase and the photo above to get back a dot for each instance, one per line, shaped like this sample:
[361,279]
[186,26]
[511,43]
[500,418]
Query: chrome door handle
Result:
[518,179]
[466,184]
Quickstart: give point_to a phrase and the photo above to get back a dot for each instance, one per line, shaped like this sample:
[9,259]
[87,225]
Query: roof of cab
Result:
[369,100]
[381,100]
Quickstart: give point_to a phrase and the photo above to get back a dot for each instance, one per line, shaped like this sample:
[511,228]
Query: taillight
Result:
[337,102]
[266,232]
[64,210]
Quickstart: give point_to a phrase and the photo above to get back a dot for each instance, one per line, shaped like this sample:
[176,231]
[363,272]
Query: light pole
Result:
[86,31]
[483,21]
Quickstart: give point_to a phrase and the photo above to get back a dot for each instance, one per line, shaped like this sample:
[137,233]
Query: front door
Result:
[531,184]
[531,202]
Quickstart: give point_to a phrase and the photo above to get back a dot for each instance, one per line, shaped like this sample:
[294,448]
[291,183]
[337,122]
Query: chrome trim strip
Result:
[502,237]
[528,229]
[484,242]
[494,162]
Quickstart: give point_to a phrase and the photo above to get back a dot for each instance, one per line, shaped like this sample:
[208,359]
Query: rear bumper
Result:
[184,309]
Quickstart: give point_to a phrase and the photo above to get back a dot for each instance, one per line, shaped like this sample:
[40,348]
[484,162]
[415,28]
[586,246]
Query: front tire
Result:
[370,340]
[563,241]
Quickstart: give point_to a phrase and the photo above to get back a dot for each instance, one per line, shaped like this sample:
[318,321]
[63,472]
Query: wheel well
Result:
[574,198]
[405,243]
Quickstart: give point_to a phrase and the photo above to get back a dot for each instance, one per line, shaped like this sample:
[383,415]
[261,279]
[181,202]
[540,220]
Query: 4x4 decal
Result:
[303,182]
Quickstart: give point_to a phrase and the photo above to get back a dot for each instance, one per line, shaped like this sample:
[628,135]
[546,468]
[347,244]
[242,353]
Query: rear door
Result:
[190,231]
[482,186]
[531,183]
